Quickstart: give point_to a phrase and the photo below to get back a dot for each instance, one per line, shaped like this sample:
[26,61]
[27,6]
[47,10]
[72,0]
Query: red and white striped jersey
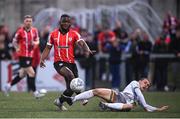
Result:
[63,45]
[25,40]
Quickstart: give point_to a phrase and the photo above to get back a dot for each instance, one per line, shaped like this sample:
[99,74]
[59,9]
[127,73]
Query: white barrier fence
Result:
[47,78]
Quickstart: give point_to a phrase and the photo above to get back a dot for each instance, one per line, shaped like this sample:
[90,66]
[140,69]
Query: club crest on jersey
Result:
[70,39]
[27,62]
[60,64]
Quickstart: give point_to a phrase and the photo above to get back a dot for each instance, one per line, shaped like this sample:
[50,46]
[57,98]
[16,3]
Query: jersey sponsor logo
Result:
[55,38]
[63,46]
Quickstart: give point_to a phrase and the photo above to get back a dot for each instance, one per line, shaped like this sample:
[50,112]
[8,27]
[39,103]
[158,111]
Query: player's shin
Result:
[119,106]
[116,106]
[32,83]
[84,95]
[16,80]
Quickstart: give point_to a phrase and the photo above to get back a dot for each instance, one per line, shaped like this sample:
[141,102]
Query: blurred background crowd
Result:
[121,55]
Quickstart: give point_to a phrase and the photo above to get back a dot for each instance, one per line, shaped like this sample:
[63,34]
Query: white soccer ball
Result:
[77,85]
[43,91]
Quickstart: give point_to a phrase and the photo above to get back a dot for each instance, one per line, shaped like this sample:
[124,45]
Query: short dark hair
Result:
[65,15]
[28,16]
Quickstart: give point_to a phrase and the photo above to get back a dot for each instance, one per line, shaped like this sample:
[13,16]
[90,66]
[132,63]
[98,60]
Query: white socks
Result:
[8,86]
[85,95]
[117,106]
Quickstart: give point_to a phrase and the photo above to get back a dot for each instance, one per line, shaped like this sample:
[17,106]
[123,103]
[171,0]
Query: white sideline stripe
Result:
[58,42]
[26,49]
[32,39]
[67,49]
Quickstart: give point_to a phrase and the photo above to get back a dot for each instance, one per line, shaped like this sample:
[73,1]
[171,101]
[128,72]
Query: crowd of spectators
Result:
[113,43]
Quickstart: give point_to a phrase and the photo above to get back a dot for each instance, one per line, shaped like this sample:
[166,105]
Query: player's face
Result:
[28,22]
[144,84]
[65,23]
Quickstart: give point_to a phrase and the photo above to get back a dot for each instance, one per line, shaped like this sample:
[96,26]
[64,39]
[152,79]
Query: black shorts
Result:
[25,62]
[58,65]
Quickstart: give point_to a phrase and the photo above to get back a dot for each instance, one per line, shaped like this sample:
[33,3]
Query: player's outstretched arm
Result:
[85,47]
[45,55]
[158,109]
[162,108]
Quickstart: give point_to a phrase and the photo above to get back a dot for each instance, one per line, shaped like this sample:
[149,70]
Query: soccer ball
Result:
[77,85]
[43,91]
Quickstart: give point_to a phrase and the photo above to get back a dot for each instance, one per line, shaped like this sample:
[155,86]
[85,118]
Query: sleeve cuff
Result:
[49,44]
[79,40]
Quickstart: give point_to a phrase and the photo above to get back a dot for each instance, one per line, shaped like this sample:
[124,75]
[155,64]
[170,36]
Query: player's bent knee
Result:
[96,92]
[68,73]
[31,74]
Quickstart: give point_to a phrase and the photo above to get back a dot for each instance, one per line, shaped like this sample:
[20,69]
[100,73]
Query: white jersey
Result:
[133,93]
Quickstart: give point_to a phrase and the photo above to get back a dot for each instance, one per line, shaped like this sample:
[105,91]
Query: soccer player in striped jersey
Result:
[25,41]
[64,39]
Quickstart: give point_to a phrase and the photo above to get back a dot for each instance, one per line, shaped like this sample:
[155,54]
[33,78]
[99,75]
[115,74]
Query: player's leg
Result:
[19,76]
[68,75]
[117,102]
[23,62]
[116,106]
[31,82]
[62,69]
[31,77]
[104,93]
[31,73]
[28,84]
[75,72]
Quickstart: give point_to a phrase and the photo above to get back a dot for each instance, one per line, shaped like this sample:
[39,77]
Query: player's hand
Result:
[90,52]
[42,64]
[17,48]
[163,108]
[93,52]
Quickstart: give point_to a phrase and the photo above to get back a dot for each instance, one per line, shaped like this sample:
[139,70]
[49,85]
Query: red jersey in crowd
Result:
[63,45]
[25,40]
[36,57]
[105,37]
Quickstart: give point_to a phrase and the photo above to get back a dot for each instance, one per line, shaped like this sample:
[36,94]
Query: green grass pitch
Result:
[23,105]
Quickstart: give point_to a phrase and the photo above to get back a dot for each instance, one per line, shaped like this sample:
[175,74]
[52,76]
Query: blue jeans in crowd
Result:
[115,71]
